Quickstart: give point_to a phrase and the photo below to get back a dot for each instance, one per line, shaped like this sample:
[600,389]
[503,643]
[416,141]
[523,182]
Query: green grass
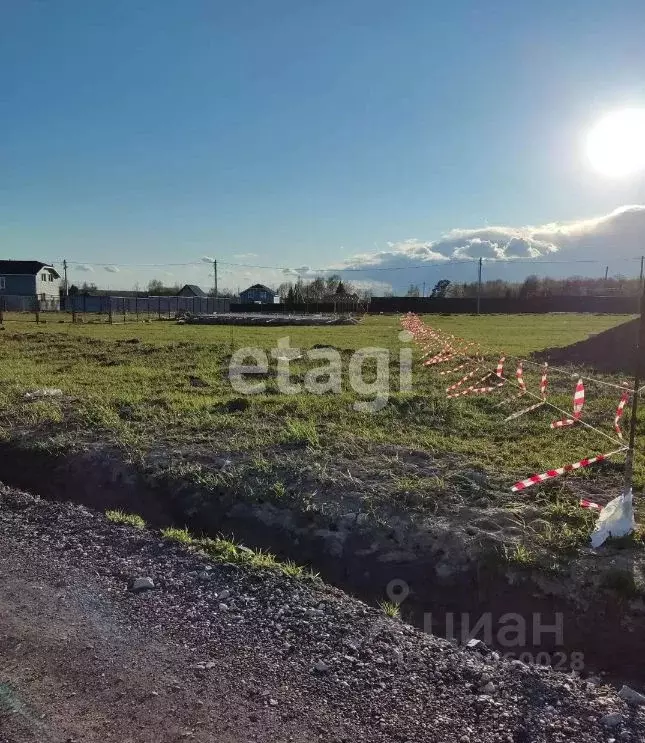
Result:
[301,432]
[130,519]
[226,551]
[177,535]
[130,385]
[390,609]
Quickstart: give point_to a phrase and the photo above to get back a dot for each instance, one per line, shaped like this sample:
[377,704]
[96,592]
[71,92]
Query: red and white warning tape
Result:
[440,347]
[536,405]
[578,404]
[584,503]
[465,378]
[619,413]
[543,380]
[452,371]
[513,416]
[519,377]
[550,474]
[446,353]
[474,389]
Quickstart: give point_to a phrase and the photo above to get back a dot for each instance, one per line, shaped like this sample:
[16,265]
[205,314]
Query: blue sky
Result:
[298,132]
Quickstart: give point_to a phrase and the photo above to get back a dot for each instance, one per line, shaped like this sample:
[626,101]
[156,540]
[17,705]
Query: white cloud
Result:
[245,256]
[619,233]
[399,255]
[376,287]
[112,269]
[606,239]
[85,267]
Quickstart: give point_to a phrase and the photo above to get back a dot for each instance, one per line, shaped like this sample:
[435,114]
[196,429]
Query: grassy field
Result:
[162,386]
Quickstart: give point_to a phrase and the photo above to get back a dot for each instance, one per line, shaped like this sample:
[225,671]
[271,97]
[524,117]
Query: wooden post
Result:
[110,318]
[639,372]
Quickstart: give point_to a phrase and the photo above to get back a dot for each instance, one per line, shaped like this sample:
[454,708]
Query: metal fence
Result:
[145,307]
[111,309]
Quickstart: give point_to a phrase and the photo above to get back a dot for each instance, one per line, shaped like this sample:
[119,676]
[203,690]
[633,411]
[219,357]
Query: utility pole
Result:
[423,293]
[215,279]
[65,285]
[606,272]
[479,285]
[642,266]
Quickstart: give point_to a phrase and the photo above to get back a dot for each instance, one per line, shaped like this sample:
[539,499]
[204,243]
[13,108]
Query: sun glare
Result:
[616,144]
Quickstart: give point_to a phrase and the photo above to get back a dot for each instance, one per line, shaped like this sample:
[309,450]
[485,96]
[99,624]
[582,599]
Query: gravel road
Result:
[224,653]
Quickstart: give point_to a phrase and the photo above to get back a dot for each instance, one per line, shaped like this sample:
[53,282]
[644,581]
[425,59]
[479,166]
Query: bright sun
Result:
[616,144]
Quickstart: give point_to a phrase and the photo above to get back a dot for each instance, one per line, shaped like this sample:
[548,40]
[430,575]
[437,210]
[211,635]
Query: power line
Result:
[428,264]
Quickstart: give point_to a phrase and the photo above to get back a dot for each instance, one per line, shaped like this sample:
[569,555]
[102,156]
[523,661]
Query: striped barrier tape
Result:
[440,358]
[452,346]
[584,503]
[519,377]
[619,413]
[550,474]
[535,406]
[474,389]
[578,404]
[543,380]
[513,416]
[452,371]
[465,378]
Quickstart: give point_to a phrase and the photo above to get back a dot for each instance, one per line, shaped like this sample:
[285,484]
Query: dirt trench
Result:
[441,583]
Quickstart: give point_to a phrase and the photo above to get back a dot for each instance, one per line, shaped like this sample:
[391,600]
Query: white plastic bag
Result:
[615,520]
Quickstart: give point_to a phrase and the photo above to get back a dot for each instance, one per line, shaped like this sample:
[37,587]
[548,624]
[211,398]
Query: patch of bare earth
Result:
[220,652]
[611,351]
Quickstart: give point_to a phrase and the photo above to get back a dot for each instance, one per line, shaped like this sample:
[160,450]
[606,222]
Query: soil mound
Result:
[611,351]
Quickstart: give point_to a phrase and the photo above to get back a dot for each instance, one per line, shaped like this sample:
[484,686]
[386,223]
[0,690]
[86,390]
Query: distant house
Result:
[191,290]
[260,294]
[24,282]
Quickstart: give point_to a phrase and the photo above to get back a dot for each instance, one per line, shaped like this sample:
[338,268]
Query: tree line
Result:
[155,288]
[533,286]
[330,289]
[334,289]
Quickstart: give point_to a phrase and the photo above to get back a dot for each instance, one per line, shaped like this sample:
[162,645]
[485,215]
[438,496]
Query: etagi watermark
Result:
[368,371]
[511,632]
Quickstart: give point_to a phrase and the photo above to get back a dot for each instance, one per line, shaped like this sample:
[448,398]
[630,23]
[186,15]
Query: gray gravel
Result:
[307,662]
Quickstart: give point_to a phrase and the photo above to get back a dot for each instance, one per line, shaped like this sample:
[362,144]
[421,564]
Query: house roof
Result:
[260,286]
[14,268]
[196,290]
